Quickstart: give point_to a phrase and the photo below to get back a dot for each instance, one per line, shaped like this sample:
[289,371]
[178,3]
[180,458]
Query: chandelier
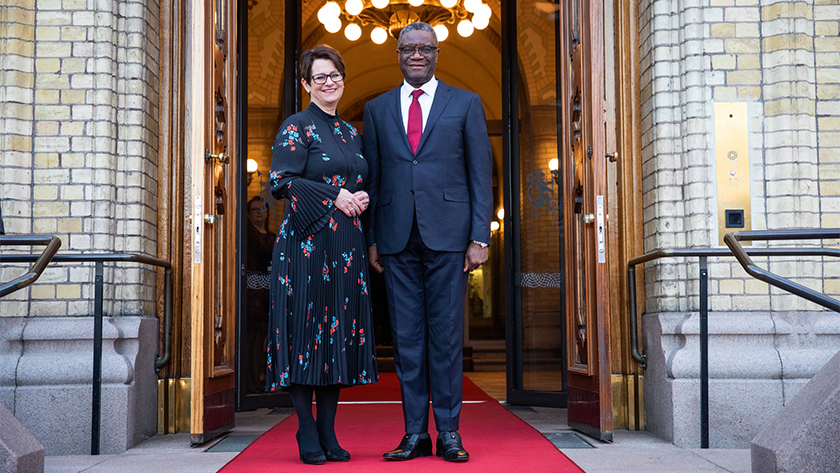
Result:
[389,17]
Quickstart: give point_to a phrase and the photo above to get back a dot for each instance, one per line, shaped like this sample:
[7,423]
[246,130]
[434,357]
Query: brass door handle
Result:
[222,158]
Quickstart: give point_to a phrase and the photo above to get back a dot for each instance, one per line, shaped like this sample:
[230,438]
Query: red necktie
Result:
[415,121]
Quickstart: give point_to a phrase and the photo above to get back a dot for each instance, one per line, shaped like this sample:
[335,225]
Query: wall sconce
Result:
[251,167]
[554,167]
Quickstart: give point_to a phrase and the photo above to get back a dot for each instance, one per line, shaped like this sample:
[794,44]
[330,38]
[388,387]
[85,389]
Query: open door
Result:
[584,187]
[210,118]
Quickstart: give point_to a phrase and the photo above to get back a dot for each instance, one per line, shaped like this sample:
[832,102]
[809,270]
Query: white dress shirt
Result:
[425,100]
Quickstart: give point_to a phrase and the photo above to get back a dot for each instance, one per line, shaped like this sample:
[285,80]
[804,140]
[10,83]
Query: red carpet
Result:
[496,439]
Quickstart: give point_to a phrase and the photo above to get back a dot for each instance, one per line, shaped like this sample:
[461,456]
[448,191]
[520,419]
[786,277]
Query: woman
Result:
[320,329]
[257,268]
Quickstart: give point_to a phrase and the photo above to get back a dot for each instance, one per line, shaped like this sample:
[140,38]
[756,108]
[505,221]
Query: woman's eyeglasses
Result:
[322,78]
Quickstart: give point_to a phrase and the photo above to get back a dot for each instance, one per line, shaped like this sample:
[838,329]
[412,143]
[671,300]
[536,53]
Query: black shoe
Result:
[411,446]
[310,458]
[335,454]
[450,448]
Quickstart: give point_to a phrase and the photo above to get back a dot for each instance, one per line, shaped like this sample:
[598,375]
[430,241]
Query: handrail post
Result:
[704,353]
[97,361]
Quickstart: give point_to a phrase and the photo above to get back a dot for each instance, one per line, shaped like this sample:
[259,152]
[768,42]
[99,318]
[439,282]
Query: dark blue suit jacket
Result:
[448,183]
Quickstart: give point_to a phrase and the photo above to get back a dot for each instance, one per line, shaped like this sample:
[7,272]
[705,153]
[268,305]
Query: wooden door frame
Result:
[199,122]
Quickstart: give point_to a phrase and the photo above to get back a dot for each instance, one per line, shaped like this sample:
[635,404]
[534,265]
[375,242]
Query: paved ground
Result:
[630,452]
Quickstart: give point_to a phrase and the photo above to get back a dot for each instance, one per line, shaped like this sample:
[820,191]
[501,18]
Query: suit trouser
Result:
[425,290]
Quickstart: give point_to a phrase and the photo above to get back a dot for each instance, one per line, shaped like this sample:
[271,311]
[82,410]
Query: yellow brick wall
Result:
[79,125]
[783,59]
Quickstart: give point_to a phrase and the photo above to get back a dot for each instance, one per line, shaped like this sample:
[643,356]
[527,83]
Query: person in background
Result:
[320,328]
[431,198]
[260,241]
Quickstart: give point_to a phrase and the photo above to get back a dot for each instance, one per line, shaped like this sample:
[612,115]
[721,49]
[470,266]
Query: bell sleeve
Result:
[312,202]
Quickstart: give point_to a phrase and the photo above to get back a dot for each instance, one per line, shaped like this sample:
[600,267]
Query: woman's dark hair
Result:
[319,52]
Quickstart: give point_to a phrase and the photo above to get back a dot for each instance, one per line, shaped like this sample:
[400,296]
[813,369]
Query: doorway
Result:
[536,305]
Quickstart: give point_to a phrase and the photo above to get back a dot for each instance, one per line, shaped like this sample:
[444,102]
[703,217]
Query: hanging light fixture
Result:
[389,17]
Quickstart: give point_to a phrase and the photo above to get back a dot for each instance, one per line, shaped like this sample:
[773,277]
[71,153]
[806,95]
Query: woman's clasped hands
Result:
[352,204]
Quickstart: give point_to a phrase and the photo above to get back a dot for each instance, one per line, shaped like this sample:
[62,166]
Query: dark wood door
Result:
[213,78]
[584,186]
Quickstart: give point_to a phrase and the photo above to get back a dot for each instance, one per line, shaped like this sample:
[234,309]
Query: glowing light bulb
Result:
[465,28]
[415,3]
[252,165]
[480,22]
[448,3]
[333,25]
[328,12]
[484,11]
[553,165]
[494,225]
[380,4]
[501,213]
[378,35]
[353,7]
[441,32]
[353,32]
[471,5]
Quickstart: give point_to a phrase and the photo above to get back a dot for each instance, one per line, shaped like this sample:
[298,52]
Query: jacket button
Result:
[414,162]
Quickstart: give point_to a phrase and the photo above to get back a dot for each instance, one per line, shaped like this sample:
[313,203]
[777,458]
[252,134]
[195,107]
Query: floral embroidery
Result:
[311,132]
[293,135]
[307,246]
[337,131]
[352,129]
[336,180]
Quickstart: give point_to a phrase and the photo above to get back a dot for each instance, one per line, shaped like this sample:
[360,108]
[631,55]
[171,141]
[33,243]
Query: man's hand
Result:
[374,259]
[476,255]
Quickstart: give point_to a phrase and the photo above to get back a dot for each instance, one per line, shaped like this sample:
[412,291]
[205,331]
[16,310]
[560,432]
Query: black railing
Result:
[52,245]
[99,259]
[743,256]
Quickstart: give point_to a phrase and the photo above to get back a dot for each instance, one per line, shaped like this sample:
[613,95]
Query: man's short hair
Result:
[418,25]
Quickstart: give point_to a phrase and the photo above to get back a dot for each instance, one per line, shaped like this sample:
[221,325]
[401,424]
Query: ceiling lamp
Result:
[378,35]
[442,32]
[353,32]
[389,17]
[465,28]
[471,5]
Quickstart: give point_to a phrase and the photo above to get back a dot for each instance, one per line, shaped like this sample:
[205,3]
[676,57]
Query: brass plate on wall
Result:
[174,405]
[732,159]
[628,396]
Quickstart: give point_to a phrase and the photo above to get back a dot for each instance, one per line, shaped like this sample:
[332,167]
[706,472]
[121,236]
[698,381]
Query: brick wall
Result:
[783,59]
[79,144]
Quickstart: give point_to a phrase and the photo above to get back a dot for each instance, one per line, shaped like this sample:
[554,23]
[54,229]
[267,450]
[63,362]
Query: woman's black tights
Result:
[312,433]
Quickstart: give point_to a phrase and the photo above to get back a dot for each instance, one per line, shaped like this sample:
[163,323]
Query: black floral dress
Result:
[320,328]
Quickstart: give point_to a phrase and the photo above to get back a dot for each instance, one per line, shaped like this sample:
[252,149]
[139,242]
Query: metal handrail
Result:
[99,259]
[52,244]
[732,241]
[742,255]
[699,252]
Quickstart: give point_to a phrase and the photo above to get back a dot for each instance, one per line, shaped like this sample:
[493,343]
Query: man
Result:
[430,186]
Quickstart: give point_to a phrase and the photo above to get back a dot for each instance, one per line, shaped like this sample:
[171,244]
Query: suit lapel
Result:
[442,96]
[396,111]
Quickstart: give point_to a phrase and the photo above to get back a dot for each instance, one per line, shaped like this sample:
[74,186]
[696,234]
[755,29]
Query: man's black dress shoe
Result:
[450,448]
[335,454]
[411,446]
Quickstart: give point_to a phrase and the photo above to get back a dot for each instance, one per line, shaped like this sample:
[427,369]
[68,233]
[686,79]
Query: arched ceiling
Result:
[472,63]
